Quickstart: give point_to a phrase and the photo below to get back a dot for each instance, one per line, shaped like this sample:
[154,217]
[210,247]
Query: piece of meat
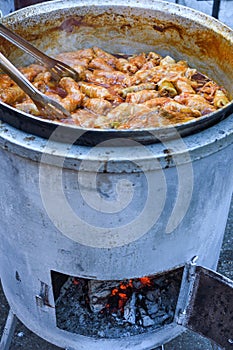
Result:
[109,77]
[167,60]
[154,57]
[74,96]
[125,66]
[144,76]
[6,81]
[12,95]
[197,77]
[41,86]
[138,60]
[158,101]
[80,57]
[86,53]
[69,85]
[107,57]
[110,80]
[178,112]
[84,118]
[220,99]
[81,70]
[102,122]
[45,77]
[141,96]
[149,65]
[208,90]
[100,63]
[29,107]
[166,88]
[196,102]
[135,88]
[98,105]
[145,120]
[174,71]
[120,114]
[173,110]
[72,60]
[183,85]
[54,96]
[170,72]
[94,91]
[32,71]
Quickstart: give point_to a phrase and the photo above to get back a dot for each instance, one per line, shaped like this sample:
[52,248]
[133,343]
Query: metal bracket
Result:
[185,290]
[205,304]
[8,331]
[42,299]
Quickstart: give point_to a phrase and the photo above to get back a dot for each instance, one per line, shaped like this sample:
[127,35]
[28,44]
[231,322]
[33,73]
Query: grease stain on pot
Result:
[170,27]
[17,276]
[29,138]
[69,24]
[168,157]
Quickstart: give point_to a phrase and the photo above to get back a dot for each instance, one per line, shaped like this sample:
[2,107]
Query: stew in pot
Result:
[121,92]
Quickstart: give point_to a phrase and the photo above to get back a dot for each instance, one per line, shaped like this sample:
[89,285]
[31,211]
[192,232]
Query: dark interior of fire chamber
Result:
[114,309]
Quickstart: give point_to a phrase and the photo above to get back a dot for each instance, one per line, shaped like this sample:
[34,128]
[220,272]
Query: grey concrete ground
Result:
[26,340]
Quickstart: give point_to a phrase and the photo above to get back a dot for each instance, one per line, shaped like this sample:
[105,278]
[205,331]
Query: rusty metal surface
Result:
[210,310]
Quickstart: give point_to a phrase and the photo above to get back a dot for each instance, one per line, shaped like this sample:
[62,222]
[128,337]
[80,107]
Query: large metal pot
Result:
[203,42]
[136,210]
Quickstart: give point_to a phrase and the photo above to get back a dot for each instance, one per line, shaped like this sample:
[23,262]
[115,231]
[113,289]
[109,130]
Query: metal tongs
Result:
[58,70]
[50,108]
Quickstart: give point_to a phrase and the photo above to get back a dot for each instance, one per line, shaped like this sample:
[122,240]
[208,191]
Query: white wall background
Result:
[225,14]
[6,6]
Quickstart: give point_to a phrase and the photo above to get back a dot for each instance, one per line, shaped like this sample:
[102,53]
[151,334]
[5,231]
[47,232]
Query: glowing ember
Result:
[120,296]
[75,281]
[146,281]
[112,309]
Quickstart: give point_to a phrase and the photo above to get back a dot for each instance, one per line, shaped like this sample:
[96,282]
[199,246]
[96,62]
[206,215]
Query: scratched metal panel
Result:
[210,312]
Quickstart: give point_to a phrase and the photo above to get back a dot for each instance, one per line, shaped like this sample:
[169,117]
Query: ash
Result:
[116,309]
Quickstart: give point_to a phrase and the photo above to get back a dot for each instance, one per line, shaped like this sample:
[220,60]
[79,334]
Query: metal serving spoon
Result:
[50,108]
[58,69]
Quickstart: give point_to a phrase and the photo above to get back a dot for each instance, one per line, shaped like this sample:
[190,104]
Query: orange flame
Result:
[146,281]
[120,295]
[75,281]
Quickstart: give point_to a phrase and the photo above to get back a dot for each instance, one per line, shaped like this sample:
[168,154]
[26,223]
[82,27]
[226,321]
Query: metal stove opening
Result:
[115,309]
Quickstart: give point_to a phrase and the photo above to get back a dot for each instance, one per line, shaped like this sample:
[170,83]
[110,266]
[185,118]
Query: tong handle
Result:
[49,62]
[23,44]
[41,100]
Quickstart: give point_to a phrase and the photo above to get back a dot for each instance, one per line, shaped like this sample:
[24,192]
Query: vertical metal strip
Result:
[8,331]
[216,8]
[186,289]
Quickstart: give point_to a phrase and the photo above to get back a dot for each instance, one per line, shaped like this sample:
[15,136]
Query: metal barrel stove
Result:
[121,207]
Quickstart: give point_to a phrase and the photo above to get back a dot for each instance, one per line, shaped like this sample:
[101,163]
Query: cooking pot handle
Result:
[205,304]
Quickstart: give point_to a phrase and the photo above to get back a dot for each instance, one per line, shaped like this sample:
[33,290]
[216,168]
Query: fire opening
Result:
[113,309]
